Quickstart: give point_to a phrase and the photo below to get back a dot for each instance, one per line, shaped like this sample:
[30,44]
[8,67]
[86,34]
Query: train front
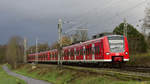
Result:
[116,48]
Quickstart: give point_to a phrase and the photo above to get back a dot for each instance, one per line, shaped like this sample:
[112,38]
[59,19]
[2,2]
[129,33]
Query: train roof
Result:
[79,44]
[83,43]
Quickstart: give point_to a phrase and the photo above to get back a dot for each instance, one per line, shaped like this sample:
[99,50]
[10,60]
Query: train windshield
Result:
[116,43]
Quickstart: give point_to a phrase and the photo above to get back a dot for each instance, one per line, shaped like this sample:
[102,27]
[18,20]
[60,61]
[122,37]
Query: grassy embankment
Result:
[7,79]
[140,59]
[79,76]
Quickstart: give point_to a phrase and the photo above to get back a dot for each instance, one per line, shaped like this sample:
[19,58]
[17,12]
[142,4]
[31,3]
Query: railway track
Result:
[132,72]
[124,68]
[137,69]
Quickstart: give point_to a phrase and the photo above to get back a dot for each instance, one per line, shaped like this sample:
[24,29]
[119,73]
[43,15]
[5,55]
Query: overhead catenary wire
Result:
[125,11]
[111,3]
[86,23]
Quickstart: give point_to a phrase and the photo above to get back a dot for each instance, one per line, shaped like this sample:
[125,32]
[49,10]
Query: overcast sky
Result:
[38,18]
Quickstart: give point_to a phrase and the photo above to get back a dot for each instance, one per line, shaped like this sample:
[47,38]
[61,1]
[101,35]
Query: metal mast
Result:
[60,39]
[25,50]
[36,59]
[125,30]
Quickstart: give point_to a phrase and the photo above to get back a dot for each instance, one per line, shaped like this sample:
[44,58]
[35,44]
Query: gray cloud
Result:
[38,18]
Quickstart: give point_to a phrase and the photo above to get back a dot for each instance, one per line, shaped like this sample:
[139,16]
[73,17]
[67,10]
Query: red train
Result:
[108,49]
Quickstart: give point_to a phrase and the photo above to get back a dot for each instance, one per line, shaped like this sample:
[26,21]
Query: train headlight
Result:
[107,53]
[126,53]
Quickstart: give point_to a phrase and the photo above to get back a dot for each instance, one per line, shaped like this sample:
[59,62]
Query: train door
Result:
[77,53]
[72,54]
[66,53]
[48,58]
[45,55]
[52,55]
[88,52]
[56,55]
[62,58]
[101,50]
[81,53]
[49,55]
[33,57]
[39,57]
[97,50]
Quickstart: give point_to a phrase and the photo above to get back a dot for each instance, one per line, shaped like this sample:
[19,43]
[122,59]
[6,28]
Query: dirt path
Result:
[28,80]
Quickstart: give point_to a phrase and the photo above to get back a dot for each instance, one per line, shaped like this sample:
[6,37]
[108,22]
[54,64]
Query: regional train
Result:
[106,49]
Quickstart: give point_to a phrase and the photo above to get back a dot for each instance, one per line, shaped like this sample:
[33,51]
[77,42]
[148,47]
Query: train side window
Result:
[72,53]
[77,52]
[90,51]
[97,49]
[54,54]
[93,50]
[84,52]
[81,51]
[67,53]
[87,51]
[49,55]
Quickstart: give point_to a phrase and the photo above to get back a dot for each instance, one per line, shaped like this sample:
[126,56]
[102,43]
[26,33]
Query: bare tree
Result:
[146,21]
[2,53]
[65,42]
[80,35]
[14,53]
[41,47]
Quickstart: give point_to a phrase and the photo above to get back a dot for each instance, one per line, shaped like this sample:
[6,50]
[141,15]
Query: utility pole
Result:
[125,31]
[60,40]
[36,59]
[25,50]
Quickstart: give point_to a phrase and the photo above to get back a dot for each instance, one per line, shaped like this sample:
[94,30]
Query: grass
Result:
[142,59]
[7,79]
[68,76]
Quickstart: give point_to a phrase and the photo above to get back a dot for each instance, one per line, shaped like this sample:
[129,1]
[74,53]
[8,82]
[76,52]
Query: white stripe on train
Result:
[104,60]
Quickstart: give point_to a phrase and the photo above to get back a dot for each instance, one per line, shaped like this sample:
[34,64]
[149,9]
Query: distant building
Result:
[101,35]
